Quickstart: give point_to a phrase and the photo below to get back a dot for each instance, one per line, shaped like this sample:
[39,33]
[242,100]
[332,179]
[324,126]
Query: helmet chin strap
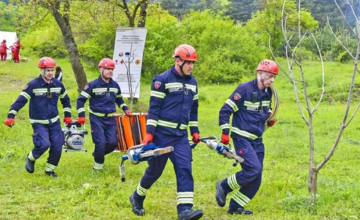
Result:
[262,79]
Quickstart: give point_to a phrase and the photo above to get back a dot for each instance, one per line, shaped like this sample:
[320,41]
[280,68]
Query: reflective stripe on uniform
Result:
[193,124]
[185,197]
[191,87]
[183,127]
[167,124]
[100,114]
[122,105]
[49,167]
[85,94]
[173,85]
[240,199]
[158,94]
[266,103]
[196,97]
[81,110]
[244,133]
[44,122]
[252,104]
[56,89]
[232,182]
[13,112]
[66,110]
[141,190]
[151,122]
[232,105]
[224,126]
[95,90]
[114,90]
[63,95]
[27,96]
[41,90]
[98,166]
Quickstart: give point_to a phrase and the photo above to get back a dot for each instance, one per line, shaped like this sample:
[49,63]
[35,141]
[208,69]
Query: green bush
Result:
[343,57]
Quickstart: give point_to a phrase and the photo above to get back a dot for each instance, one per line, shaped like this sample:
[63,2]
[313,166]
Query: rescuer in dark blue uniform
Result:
[43,94]
[173,109]
[103,93]
[250,105]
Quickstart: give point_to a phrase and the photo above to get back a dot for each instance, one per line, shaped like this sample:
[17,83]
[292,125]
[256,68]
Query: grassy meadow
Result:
[79,193]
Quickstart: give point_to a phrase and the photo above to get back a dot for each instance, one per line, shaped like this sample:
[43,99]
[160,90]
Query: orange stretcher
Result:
[131,129]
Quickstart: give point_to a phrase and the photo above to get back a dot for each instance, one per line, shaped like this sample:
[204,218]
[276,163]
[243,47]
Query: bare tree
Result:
[294,60]
[132,91]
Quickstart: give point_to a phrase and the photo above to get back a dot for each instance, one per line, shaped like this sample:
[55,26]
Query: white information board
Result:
[128,57]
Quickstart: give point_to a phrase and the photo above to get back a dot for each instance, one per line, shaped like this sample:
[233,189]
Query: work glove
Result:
[148,138]
[225,139]
[128,112]
[9,122]
[196,138]
[81,120]
[271,123]
[67,120]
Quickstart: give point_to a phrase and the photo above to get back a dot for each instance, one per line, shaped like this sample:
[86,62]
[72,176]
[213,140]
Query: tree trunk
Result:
[71,47]
[312,184]
[143,13]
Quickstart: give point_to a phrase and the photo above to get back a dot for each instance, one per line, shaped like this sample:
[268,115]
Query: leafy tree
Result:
[241,10]
[265,23]
[60,10]
[9,17]
[179,8]
[226,53]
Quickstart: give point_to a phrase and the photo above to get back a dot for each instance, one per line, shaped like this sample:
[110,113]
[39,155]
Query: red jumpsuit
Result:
[17,52]
[3,52]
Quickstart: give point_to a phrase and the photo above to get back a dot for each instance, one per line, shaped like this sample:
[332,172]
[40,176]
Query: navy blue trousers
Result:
[45,137]
[181,159]
[104,136]
[249,178]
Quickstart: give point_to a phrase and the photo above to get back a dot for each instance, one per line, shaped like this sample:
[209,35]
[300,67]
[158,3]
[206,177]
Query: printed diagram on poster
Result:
[128,56]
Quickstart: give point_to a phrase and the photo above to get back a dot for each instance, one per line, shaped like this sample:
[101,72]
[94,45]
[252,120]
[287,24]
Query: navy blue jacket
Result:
[250,107]
[173,104]
[103,97]
[43,98]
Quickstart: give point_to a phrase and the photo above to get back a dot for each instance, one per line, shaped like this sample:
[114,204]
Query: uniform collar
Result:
[175,72]
[102,82]
[260,92]
[42,81]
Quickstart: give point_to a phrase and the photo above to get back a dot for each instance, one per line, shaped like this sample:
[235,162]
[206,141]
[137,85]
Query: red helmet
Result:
[268,66]
[107,63]
[186,52]
[46,62]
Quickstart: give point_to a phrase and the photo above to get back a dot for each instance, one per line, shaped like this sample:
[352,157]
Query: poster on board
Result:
[128,57]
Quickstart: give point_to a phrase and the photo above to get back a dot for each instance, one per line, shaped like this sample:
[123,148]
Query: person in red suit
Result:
[17,46]
[3,50]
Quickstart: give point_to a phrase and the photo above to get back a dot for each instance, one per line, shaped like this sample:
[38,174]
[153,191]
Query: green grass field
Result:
[283,194]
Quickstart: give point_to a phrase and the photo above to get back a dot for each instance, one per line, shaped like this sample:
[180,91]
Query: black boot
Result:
[137,208]
[189,214]
[51,173]
[29,165]
[240,211]
[220,194]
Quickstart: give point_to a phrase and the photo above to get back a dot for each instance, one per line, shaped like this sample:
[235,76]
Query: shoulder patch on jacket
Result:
[157,84]
[237,96]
